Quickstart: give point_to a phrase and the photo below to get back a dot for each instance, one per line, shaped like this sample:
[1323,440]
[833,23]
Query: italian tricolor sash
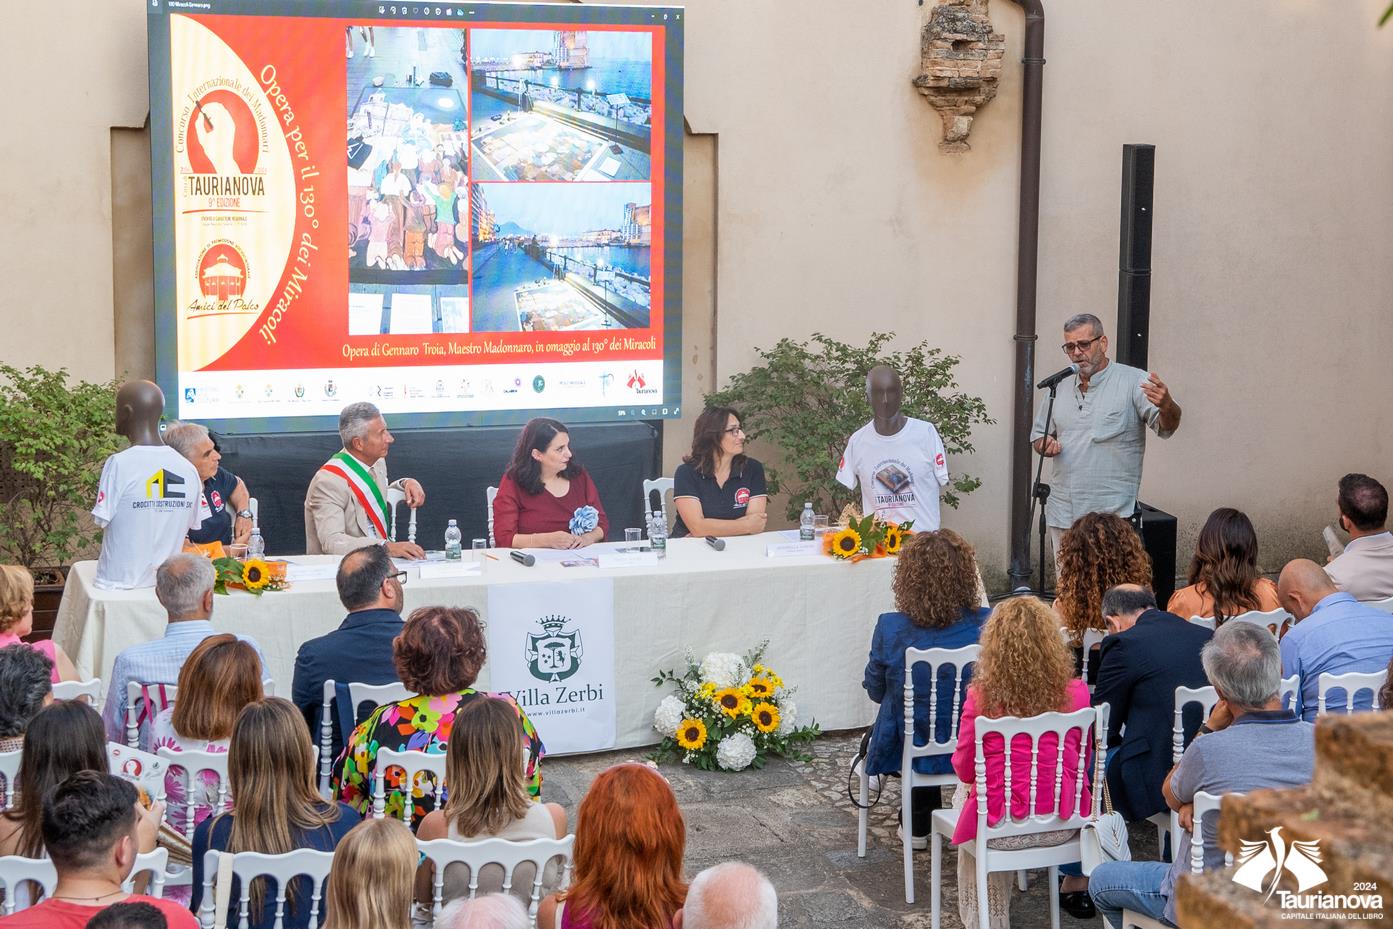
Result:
[360,481]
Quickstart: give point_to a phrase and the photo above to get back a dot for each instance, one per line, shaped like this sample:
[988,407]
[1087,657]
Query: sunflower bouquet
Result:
[730,712]
[253,575]
[867,537]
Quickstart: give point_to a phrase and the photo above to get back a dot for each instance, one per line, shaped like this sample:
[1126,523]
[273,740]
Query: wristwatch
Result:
[244,514]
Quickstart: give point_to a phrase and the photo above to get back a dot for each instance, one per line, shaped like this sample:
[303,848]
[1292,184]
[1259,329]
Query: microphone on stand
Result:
[1058,376]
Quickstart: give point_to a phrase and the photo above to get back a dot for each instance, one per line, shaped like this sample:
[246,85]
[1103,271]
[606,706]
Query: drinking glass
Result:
[819,525]
[633,536]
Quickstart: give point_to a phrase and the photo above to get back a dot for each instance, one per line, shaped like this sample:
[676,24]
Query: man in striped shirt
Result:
[346,506]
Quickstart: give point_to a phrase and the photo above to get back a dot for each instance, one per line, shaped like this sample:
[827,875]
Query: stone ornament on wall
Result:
[960,58]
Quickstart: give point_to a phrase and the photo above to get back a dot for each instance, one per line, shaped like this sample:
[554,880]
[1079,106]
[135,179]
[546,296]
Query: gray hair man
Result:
[226,506]
[1098,434]
[732,895]
[489,911]
[184,587]
[346,506]
[1249,742]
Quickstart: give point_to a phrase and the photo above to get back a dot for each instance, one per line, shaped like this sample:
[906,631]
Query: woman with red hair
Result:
[628,856]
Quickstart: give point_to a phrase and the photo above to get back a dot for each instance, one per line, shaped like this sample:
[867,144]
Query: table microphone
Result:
[523,558]
[1058,376]
[718,544]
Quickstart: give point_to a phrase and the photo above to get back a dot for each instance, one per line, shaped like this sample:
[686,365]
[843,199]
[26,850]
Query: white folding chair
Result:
[1274,621]
[663,485]
[396,495]
[1205,804]
[154,863]
[1091,637]
[15,871]
[1386,604]
[89,691]
[1350,684]
[246,866]
[413,764]
[1205,698]
[490,494]
[940,661]
[1091,725]
[358,694]
[192,764]
[9,770]
[144,701]
[506,854]
[1290,687]
[1205,621]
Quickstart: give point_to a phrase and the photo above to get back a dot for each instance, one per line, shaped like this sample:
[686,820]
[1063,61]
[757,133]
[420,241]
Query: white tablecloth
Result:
[817,614]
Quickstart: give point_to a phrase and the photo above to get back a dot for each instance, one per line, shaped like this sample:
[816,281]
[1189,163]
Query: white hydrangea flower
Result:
[669,715]
[788,717]
[723,669]
[735,752]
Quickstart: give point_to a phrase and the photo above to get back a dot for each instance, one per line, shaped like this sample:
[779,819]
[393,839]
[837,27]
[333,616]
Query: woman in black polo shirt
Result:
[718,490]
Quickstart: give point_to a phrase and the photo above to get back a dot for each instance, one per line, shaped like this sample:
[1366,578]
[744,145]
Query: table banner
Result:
[551,646]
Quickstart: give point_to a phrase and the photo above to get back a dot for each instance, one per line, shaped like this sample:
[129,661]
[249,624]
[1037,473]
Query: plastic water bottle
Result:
[256,546]
[453,541]
[805,522]
[657,533]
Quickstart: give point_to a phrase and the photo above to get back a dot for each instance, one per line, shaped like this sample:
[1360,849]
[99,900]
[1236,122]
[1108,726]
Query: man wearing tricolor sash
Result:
[346,507]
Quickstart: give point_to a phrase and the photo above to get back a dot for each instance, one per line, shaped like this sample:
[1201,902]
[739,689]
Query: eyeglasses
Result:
[734,430]
[1071,347]
[399,577]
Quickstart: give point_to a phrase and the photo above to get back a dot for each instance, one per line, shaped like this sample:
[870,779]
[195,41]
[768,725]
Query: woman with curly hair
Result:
[937,606]
[1024,670]
[1224,579]
[1100,551]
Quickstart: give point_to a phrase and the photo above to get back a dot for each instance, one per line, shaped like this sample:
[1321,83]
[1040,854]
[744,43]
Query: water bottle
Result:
[256,546]
[805,522]
[453,541]
[657,533]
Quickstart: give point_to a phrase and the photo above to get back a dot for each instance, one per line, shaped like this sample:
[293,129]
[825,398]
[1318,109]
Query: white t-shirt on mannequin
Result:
[147,501]
[900,475]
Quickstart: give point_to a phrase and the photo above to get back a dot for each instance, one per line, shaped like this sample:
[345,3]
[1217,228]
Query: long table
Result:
[817,614]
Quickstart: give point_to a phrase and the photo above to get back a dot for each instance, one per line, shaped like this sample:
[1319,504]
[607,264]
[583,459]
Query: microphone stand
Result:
[1041,492]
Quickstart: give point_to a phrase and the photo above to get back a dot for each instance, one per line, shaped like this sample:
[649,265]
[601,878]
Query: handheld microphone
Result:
[523,558]
[1058,376]
[718,544]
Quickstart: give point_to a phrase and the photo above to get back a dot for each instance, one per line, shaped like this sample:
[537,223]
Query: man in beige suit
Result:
[346,506]
[1364,568]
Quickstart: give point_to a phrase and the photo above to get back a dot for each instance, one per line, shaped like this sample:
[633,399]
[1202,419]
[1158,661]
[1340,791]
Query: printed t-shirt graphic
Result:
[900,475]
[147,501]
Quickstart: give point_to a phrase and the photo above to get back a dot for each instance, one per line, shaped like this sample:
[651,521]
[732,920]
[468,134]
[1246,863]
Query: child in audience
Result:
[370,884]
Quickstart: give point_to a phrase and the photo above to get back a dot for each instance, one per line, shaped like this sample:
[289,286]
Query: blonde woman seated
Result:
[487,799]
[17,620]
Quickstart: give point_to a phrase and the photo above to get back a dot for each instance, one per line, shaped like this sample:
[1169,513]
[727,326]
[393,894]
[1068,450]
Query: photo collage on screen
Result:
[499,179]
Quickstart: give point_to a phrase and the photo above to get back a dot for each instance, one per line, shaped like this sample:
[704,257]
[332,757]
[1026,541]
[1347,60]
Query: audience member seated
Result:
[93,826]
[17,621]
[226,505]
[732,895]
[1334,634]
[1224,578]
[488,799]
[486,911]
[438,656]
[129,916]
[1365,568]
[718,490]
[359,650]
[1147,654]
[936,607]
[1100,551]
[370,882]
[270,766]
[64,738]
[1248,742]
[25,688]
[1024,670]
[544,494]
[221,677]
[184,587]
[630,838]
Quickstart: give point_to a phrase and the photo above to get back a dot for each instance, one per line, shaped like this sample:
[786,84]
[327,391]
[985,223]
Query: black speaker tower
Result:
[1134,255]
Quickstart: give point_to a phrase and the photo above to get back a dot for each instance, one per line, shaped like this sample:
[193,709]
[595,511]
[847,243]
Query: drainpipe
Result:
[1027,259]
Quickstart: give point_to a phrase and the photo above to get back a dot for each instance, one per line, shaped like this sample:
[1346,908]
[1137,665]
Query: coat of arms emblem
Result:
[554,654]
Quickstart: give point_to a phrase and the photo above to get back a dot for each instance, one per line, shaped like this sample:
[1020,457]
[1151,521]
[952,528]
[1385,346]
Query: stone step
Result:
[1213,901]
[1354,759]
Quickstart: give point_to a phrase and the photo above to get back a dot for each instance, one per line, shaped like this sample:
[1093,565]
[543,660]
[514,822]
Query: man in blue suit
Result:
[360,650]
[1147,654]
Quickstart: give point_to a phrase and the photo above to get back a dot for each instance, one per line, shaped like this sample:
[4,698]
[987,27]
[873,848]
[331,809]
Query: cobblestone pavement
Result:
[796,823]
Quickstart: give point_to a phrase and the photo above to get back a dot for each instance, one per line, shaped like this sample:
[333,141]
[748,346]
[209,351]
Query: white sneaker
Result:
[917,842]
[372,51]
[350,53]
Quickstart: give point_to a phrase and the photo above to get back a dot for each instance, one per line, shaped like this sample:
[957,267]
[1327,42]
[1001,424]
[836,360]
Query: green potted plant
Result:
[807,398]
[54,437]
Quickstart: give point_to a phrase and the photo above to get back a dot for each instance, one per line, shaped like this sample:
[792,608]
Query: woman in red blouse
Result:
[542,491]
